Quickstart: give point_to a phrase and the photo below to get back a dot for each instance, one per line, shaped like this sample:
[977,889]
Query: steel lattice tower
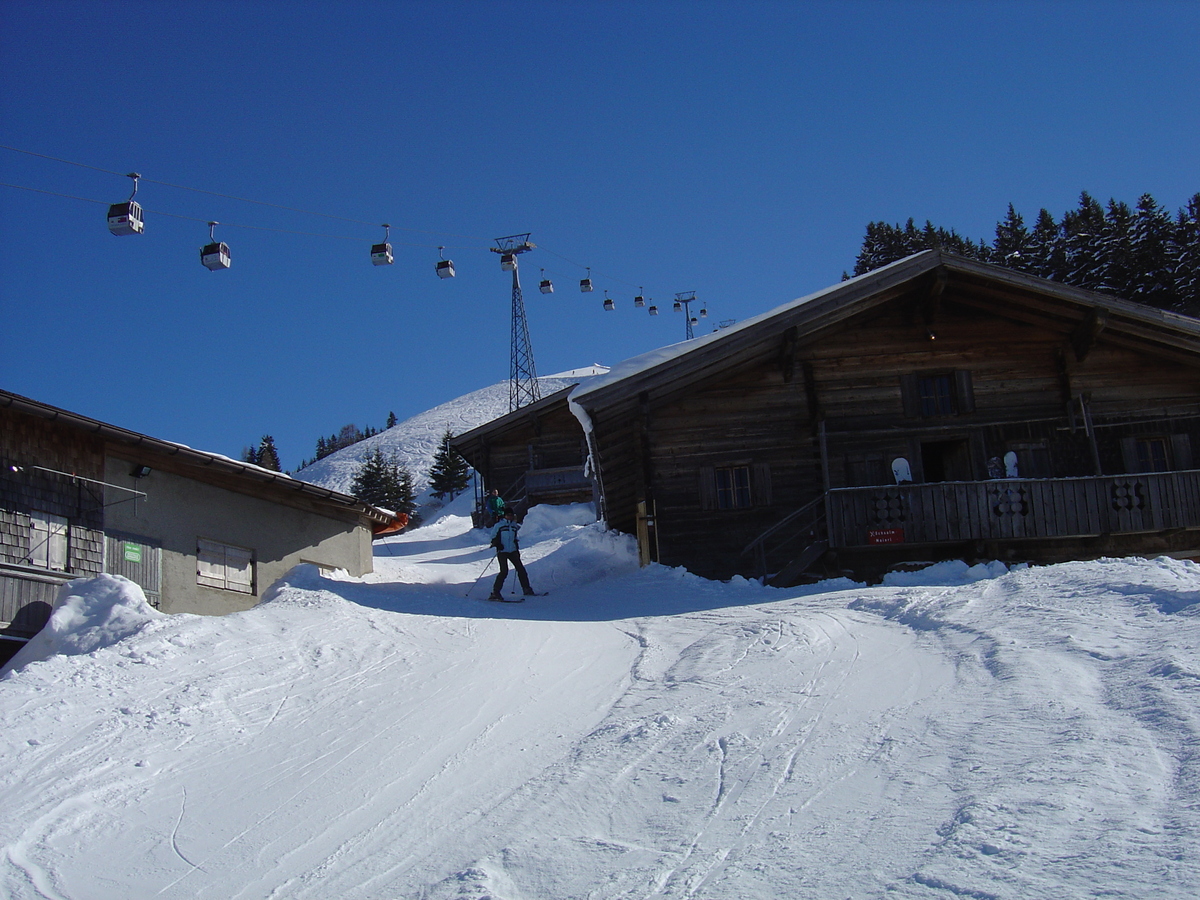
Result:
[523,386]
[684,301]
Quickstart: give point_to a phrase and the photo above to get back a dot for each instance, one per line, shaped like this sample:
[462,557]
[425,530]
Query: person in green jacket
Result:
[494,504]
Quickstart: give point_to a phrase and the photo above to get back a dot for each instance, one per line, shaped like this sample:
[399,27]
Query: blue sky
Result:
[737,150]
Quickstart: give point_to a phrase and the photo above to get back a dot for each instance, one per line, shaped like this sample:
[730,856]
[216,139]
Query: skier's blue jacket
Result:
[504,536]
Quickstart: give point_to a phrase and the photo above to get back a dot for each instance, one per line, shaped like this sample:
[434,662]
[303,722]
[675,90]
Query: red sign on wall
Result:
[885,536]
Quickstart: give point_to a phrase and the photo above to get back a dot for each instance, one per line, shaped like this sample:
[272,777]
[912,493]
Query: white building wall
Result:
[178,512]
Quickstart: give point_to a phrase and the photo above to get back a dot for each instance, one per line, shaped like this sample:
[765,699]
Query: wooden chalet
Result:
[533,455]
[935,408]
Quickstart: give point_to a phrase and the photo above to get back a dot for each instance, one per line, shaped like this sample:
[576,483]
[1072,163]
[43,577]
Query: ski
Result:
[507,599]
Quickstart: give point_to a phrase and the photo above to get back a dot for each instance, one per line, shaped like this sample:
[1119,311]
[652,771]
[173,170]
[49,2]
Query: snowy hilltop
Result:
[415,441]
[639,732]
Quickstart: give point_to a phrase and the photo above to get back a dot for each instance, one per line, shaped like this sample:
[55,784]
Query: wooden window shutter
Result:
[708,487]
[761,484]
[1181,449]
[910,396]
[1129,455]
[964,393]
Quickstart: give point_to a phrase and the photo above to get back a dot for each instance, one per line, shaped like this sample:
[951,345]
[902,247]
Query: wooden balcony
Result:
[1013,509]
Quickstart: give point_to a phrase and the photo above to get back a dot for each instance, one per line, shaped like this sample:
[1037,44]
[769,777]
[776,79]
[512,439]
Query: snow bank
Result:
[90,614]
[951,572]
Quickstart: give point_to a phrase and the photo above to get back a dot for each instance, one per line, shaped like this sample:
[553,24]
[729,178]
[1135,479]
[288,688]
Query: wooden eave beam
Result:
[1083,338]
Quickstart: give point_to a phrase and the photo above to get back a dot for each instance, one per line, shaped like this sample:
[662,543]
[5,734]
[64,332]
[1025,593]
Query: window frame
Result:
[49,541]
[225,567]
[733,490]
[959,395]
[732,484]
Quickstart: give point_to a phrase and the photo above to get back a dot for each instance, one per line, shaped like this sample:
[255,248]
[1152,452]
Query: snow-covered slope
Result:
[637,733]
[415,441]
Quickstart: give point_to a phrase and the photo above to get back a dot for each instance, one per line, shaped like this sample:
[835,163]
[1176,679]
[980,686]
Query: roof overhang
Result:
[1022,296]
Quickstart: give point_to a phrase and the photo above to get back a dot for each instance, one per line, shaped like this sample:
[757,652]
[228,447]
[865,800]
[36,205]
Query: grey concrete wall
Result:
[177,511]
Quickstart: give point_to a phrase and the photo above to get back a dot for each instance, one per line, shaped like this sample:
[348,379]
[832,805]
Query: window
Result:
[48,541]
[733,487]
[738,486]
[225,567]
[928,395]
[936,394]
[1156,453]
[1152,455]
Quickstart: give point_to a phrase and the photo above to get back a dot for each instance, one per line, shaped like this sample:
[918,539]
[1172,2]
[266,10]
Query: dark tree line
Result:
[1143,254]
[348,436]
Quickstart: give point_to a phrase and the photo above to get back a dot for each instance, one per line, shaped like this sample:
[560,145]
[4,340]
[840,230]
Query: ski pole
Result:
[481,574]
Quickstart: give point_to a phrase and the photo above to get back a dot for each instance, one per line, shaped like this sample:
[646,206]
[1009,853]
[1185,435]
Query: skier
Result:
[508,550]
[495,507]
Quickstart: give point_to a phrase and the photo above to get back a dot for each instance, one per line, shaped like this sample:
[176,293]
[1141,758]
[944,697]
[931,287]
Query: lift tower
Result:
[683,302]
[522,379]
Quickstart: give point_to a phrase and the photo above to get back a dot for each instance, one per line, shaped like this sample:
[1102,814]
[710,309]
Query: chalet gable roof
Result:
[469,441]
[1078,313]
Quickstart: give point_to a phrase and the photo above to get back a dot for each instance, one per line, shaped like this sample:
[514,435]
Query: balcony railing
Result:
[1013,508]
[567,478]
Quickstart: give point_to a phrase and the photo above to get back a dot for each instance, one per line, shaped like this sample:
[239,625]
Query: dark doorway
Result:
[946,461]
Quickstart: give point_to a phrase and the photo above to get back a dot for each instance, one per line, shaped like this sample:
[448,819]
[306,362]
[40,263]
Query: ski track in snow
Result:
[637,734]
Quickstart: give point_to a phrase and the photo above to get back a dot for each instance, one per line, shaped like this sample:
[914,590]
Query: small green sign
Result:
[133,552]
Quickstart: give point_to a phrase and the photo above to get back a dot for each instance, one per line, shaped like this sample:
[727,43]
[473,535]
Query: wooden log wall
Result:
[1025,379]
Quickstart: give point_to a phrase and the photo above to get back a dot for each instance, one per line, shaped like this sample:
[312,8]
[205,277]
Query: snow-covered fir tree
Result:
[1140,254]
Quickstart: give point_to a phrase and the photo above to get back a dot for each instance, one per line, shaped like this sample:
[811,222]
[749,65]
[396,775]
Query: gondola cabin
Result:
[609,305]
[508,261]
[653,310]
[585,285]
[445,268]
[215,256]
[381,254]
[126,218]
[547,286]
[639,301]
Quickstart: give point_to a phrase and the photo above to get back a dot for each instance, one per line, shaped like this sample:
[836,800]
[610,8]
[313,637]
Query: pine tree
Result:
[385,483]
[268,456]
[1140,255]
[405,498]
[1047,257]
[1152,274]
[375,482]
[1115,250]
[1186,258]
[1012,246]
[1083,230]
[250,455]
[449,473]
[391,420]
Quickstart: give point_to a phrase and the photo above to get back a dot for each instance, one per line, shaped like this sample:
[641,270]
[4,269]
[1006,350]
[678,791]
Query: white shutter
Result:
[48,541]
[239,570]
[225,567]
[210,557]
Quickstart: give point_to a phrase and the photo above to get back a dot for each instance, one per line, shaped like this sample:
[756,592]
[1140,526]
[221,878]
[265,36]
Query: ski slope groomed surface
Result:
[637,733]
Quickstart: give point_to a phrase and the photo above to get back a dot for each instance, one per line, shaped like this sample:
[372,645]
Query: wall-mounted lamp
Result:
[17,469]
[140,471]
